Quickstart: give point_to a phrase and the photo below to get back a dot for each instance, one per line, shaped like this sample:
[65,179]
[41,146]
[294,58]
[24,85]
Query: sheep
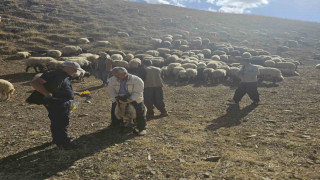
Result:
[38,63]
[207,74]
[126,113]
[175,70]
[71,50]
[83,41]
[6,90]
[233,74]
[189,65]
[164,72]
[117,57]
[82,61]
[54,53]
[111,52]
[134,63]
[156,41]
[128,57]
[163,50]
[118,63]
[213,65]
[152,52]
[182,75]
[269,63]
[270,74]
[123,34]
[224,58]
[286,68]
[23,55]
[191,74]
[219,52]
[103,43]
[173,65]
[215,57]
[80,75]
[207,53]
[318,66]
[51,65]
[218,75]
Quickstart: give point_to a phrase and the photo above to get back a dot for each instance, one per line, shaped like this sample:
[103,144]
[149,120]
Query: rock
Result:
[206,174]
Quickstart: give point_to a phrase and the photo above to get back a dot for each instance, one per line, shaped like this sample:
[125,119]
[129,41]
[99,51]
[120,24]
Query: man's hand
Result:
[49,99]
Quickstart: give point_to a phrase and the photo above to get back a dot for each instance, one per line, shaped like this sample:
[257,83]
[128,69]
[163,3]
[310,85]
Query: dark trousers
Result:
[59,115]
[153,96]
[141,118]
[251,88]
[104,76]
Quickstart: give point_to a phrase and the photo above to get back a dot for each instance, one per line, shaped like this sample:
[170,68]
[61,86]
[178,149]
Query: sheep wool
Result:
[6,90]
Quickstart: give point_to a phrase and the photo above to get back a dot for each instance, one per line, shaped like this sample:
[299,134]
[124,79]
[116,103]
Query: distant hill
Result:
[35,25]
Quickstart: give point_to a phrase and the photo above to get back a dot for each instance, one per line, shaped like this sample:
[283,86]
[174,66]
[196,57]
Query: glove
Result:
[127,101]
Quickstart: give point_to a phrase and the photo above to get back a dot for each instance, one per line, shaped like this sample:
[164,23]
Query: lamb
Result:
[218,75]
[6,90]
[38,63]
[270,74]
[126,113]
[71,50]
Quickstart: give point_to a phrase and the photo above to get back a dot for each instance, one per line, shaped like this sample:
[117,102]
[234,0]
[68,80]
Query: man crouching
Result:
[123,85]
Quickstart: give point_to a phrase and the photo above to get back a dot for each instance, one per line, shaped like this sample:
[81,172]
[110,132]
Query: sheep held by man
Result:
[126,113]
[6,90]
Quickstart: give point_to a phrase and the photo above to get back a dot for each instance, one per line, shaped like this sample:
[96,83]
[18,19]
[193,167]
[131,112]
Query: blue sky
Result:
[306,10]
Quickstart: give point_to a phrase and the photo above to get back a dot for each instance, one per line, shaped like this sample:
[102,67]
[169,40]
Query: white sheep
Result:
[6,90]
[23,55]
[117,57]
[128,57]
[286,68]
[126,113]
[269,63]
[218,75]
[318,66]
[54,53]
[118,63]
[191,74]
[103,43]
[189,65]
[83,41]
[270,74]
[152,52]
[71,50]
[134,63]
[51,65]
[38,63]
[233,74]
[171,66]
[175,70]
[207,74]
[213,65]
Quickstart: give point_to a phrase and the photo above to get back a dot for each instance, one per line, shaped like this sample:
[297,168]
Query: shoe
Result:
[150,116]
[142,133]
[165,114]
[113,126]
[67,146]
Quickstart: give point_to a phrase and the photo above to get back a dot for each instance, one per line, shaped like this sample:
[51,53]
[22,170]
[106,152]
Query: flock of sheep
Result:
[179,57]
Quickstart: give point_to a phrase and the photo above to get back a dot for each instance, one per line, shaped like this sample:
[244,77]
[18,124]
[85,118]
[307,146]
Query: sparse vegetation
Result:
[279,139]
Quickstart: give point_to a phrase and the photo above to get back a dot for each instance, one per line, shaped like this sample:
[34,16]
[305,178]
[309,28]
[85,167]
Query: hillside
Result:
[203,138]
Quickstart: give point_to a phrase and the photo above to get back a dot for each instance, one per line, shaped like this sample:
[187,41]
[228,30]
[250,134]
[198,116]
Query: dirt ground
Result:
[203,137]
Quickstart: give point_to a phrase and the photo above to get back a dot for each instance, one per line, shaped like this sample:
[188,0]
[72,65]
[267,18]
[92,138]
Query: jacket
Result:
[134,85]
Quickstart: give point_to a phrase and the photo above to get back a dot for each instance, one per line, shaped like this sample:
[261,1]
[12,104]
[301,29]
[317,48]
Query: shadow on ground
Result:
[40,162]
[232,117]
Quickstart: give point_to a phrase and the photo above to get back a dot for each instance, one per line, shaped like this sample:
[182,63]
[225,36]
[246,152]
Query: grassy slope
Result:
[278,139]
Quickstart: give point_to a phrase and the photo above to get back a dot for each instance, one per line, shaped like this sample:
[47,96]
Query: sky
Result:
[305,10]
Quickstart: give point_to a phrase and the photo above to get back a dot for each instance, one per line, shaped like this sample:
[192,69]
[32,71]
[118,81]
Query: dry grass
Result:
[278,139]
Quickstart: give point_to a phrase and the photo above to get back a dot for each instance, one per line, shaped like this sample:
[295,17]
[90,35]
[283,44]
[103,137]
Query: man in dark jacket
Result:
[153,93]
[57,90]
